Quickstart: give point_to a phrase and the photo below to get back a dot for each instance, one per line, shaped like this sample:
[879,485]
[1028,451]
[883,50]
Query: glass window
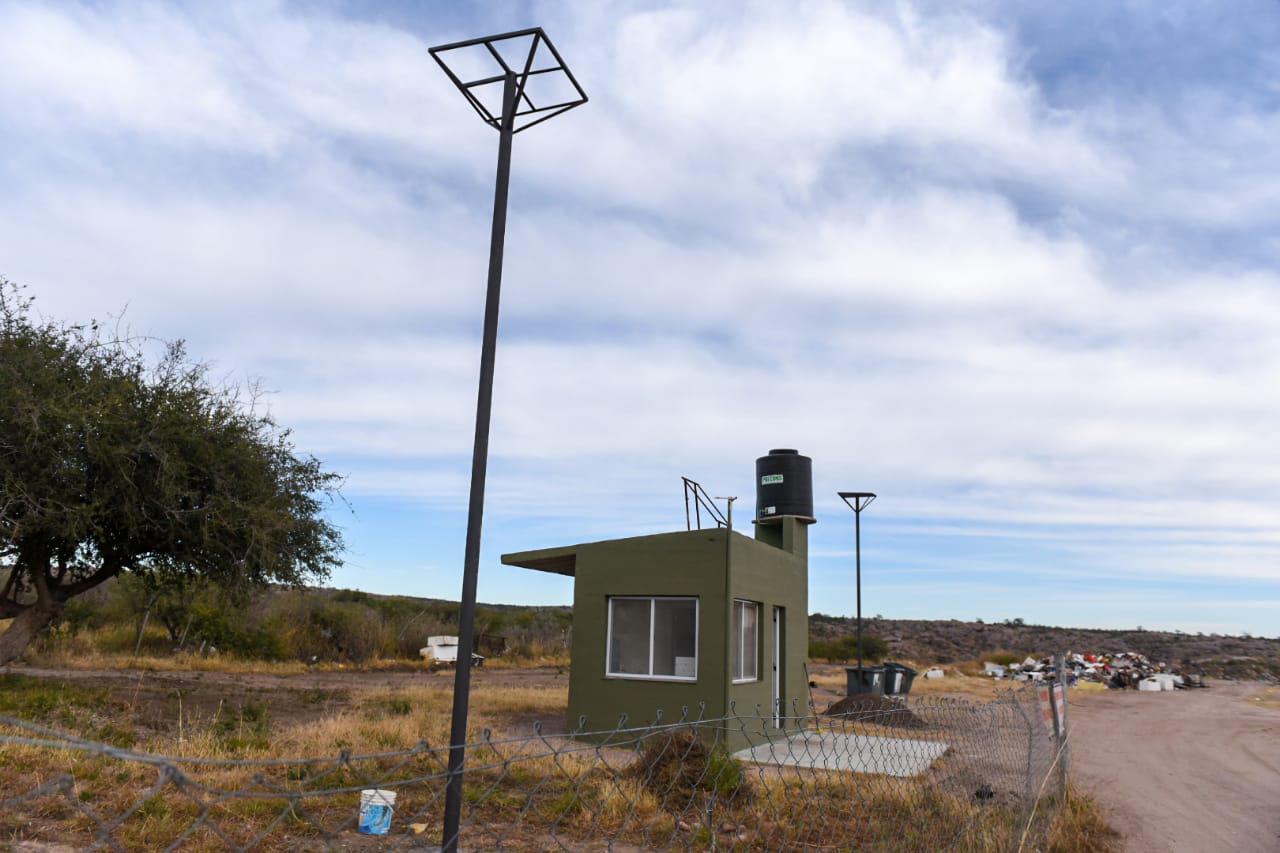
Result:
[629,636]
[653,638]
[675,637]
[745,641]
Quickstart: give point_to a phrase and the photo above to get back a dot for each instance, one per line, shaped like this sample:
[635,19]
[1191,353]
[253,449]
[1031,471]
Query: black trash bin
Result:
[868,679]
[898,679]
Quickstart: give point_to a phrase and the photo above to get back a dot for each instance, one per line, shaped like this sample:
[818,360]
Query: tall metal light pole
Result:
[858,501]
[517,112]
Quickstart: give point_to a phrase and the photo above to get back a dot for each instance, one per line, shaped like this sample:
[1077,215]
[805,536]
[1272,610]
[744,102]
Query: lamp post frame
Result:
[516,105]
[858,501]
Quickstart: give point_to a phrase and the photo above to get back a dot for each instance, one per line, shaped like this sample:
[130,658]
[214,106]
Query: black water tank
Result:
[784,485]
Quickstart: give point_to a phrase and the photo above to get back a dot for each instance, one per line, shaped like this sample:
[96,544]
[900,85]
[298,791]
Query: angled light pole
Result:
[518,111]
[858,501]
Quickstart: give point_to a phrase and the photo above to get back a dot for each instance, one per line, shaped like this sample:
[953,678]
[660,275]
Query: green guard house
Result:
[694,618]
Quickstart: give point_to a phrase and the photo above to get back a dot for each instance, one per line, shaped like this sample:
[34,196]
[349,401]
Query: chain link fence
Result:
[922,774]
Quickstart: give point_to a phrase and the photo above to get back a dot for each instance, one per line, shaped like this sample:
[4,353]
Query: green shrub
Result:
[1004,658]
[844,649]
[245,727]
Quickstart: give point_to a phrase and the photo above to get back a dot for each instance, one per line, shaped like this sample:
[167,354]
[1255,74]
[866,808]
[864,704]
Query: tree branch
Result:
[104,573]
[40,577]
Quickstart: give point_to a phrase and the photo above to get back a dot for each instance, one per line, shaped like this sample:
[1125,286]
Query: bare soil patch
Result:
[881,710]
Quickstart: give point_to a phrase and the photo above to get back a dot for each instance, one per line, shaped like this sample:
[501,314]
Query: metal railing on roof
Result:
[701,502]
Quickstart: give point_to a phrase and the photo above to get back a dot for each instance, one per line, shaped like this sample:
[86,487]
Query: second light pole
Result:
[858,501]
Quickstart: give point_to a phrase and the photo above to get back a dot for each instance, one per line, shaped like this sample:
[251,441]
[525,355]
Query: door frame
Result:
[779,616]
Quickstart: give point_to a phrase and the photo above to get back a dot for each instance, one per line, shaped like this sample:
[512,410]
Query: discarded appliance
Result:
[934,672]
[443,650]
[994,670]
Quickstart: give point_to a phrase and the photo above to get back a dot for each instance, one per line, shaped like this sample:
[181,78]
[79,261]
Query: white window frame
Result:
[741,643]
[652,599]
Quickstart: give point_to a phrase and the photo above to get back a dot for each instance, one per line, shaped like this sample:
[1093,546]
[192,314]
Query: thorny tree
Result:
[111,462]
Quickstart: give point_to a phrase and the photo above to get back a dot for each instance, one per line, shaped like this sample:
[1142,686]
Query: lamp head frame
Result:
[525,108]
[857,501]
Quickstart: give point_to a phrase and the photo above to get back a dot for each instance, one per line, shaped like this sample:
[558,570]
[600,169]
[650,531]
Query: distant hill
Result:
[945,641]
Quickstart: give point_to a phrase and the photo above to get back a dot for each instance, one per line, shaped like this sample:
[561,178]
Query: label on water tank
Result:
[770,510]
[770,479]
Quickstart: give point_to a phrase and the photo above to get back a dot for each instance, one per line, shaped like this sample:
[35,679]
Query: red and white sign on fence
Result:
[1060,697]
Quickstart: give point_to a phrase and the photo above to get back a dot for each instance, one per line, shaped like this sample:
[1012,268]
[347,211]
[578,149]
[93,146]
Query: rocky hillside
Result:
[944,641]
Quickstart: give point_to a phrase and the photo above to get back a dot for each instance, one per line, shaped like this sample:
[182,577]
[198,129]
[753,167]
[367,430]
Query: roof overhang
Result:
[560,561]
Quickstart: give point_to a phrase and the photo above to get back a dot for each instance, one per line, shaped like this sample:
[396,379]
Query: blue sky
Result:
[1013,268]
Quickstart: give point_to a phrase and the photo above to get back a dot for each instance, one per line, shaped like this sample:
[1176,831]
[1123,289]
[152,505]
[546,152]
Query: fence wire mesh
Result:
[922,774]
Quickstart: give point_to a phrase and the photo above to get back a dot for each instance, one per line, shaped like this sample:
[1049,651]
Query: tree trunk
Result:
[28,624]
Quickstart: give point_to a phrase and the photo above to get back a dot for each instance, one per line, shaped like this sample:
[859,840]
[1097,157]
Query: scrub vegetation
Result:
[845,649]
[201,627]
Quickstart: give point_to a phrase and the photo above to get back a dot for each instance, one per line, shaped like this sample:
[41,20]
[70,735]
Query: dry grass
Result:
[1079,826]
[65,656]
[517,802]
[956,683]
[559,661]
[375,721]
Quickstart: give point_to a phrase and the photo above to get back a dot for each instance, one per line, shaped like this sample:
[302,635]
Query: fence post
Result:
[1059,720]
[1032,724]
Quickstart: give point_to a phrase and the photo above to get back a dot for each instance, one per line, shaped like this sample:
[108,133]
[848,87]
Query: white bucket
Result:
[376,807]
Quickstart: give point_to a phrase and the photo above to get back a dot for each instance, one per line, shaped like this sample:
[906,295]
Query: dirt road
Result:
[1191,770]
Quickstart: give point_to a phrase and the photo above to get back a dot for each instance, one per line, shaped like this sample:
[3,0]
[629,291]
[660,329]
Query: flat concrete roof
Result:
[563,559]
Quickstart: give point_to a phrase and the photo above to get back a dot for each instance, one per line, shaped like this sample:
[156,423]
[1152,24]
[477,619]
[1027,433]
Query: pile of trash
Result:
[1126,670]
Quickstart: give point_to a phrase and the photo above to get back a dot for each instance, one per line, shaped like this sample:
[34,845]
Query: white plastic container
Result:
[1149,685]
[376,809]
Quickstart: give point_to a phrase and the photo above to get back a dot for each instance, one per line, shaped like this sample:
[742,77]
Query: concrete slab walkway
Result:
[901,757]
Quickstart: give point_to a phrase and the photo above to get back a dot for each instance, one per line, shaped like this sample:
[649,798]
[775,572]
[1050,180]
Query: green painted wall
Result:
[685,563]
[689,564]
[774,578]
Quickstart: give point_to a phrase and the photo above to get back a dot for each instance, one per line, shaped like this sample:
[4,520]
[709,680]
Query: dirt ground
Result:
[1191,770]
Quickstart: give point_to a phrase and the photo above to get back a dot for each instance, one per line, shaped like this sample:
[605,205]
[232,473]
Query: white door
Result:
[777,667]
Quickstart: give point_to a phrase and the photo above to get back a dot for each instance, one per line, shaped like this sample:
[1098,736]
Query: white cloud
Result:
[855,229]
